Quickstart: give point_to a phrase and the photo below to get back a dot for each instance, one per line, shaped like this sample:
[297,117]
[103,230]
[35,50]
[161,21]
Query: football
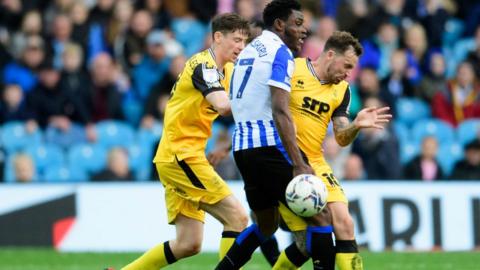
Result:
[306,195]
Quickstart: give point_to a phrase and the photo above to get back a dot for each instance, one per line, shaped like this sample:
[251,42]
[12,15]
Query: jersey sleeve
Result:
[344,108]
[282,69]
[206,79]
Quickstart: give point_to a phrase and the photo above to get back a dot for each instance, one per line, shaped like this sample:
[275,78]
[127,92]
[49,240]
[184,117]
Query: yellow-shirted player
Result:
[321,94]
[191,184]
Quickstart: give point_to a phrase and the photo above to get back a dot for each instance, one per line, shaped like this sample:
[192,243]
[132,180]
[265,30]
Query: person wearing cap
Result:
[154,64]
[469,167]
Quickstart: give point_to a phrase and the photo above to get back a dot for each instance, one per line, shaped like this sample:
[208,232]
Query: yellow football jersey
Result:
[188,115]
[312,104]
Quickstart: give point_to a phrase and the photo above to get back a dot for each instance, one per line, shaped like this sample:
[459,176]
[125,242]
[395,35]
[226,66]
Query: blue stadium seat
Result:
[57,174]
[468,130]
[140,161]
[150,137]
[112,133]
[410,110]
[216,129]
[408,150]
[15,137]
[46,156]
[87,157]
[448,155]
[402,131]
[433,127]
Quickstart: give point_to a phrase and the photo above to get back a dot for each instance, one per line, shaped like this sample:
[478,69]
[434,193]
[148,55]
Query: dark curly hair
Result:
[341,41]
[279,9]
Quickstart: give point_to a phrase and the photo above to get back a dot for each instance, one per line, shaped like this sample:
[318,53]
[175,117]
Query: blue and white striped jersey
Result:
[265,62]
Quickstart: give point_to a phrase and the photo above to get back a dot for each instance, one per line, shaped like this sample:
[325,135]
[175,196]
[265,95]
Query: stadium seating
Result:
[402,131]
[87,158]
[58,174]
[433,127]
[15,137]
[112,133]
[408,150]
[468,130]
[140,161]
[410,110]
[46,156]
[448,155]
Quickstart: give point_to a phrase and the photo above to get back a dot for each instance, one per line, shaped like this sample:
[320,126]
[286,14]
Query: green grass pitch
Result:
[47,259]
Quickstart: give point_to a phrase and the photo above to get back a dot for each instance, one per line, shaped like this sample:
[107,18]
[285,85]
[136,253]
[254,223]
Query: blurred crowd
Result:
[79,75]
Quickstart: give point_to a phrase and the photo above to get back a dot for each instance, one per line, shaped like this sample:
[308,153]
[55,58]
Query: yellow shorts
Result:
[335,194]
[187,183]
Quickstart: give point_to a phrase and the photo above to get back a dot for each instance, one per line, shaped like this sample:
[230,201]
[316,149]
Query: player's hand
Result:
[372,117]
[302,169]
[215,156]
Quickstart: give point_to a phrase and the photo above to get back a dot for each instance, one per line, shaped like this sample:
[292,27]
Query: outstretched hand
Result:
[372,117]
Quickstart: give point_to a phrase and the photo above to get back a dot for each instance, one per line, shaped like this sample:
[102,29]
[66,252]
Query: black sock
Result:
[242,250]
[295,255]
[346,246]
[270,250]
[320,247]
[168,253]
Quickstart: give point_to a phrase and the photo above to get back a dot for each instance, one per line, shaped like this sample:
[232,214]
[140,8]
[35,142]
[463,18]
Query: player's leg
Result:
[319,241]
[188,241]
[258,172]
[347,256]
[233,217]
[269,248]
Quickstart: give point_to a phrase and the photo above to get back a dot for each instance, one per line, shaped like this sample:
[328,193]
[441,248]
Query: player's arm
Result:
[286,129]
[346,131]
[207,81]
[279,82]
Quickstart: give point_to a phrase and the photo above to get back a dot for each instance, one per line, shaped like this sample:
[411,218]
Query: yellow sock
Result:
[225,244]
[155,258]
[283,263]
[349,261]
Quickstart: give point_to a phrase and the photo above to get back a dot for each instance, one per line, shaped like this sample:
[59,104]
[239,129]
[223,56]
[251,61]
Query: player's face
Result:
[295,32]
[340,65]
[232,44]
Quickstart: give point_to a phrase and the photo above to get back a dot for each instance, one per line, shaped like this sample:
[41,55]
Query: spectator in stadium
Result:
[425,166]
[100,14]
[224,165]
[157,100]
[60,36]
[161,17]
[106,94]
[435,79]
[368,84]
[75,82]
[433,16]
[469,167]
[118,25]
[32,25]
[461,99]
[153,66]
[23,71]
[335,155]
[24,168]
[135,40]
[314,44]
[246,8]
[80,28]
[378,149]
[353,168]
[474,56]
[416,45]
[13,106]
[380,47]
[396,84]
[117,167]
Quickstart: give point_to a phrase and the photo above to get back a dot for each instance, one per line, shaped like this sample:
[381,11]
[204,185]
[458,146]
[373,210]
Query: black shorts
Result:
[266,173]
